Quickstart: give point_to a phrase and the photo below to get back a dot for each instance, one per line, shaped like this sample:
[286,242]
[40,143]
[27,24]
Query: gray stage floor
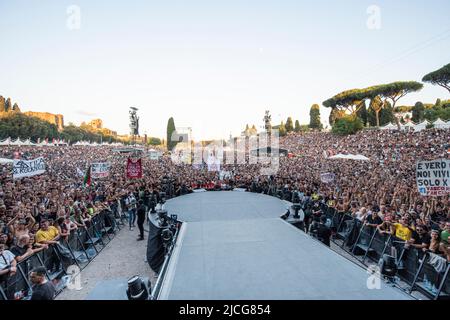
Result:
[234,246]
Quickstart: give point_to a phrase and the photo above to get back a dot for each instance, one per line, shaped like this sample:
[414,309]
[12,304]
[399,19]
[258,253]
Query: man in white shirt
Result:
[8,265]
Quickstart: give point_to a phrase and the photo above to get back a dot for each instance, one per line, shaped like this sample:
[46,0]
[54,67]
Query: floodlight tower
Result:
[134,124]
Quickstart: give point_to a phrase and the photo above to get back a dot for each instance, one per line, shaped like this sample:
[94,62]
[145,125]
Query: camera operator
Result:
[323,231]
[315,217]
[141,219]
[153,200]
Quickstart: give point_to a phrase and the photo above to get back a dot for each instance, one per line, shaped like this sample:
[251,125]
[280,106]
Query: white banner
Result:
[224,174]
[100,170]
[80,173]
[327,177]
[28,168]
[433,177]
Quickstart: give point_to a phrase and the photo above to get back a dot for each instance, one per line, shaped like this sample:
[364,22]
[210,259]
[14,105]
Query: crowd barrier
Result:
[366,243]
[66,259]
[414,267]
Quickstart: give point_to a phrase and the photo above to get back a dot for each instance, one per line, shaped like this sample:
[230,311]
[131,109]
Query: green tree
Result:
[2,104]
[376,105]
[371,117]
[297,126]
[387,114]
[18,125]
[335,114]
[289,125]
[440,77]
[8,105]
[362,113]
[438,102]
[347,125]
[170,130]
[395,91]
[282,129]
[314,117]
[153,141]
[418,112]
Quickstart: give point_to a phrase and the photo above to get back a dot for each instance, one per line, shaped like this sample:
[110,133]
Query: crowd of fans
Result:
[36,212]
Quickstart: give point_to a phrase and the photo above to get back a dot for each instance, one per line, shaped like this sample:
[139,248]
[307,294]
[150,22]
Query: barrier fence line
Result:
[79,249]
[352,236]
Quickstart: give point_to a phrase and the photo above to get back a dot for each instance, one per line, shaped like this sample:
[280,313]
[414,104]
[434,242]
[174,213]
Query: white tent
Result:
[5,142]
[389,126]
[5,161]
[440,124]
[421,126]
[408,126]
[350,157]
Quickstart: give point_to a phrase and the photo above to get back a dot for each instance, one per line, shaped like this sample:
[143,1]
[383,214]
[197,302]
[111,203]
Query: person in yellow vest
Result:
[49,235]
[401,231]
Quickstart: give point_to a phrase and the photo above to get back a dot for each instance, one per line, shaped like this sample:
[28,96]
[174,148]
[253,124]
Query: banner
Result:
[433,177]
[80,173]
[327,177]
[100,170]
[224,174]
[134,169]
[213,163]
[154,155]
[28,168]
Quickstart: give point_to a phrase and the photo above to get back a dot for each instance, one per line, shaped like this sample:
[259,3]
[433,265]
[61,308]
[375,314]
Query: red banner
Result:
[134,169]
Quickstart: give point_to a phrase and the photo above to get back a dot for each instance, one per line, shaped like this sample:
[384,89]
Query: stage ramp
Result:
[234,246]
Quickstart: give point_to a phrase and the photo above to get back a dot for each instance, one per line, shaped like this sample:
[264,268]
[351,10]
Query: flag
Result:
[87,177]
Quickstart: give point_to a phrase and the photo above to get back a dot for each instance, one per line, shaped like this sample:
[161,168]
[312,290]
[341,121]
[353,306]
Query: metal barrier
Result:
[364,241]
[432,282]
[79,248]
[347,230]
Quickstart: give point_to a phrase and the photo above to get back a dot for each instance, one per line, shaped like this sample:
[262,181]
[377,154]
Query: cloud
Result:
[86,113]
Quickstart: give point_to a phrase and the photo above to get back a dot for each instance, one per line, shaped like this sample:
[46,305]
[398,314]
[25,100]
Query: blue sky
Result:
[212,65]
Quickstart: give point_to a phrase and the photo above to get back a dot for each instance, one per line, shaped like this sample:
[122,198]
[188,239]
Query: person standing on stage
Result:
[141,219]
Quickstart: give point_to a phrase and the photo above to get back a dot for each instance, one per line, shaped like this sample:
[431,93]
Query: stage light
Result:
[137,289]
[296,207]
[388,266]
[167,235]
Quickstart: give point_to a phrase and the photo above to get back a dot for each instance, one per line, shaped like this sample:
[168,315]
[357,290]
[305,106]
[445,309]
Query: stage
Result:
[234,246]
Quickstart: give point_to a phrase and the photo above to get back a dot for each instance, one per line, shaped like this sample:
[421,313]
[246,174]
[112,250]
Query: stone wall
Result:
[56,119]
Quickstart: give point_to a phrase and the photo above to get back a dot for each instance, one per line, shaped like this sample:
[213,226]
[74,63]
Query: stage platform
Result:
[234,246]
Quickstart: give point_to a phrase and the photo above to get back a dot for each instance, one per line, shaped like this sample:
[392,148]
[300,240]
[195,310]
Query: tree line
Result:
[349,112]
[19,125]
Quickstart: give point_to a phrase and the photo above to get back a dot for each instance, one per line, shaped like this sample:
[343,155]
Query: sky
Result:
[212,65]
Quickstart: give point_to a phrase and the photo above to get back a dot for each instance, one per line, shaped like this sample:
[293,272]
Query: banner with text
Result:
[433,177]
[100,170]
[134,169]
[28,168]
[327,177]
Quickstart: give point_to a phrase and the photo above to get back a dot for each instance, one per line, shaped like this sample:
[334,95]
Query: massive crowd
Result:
[35,212]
